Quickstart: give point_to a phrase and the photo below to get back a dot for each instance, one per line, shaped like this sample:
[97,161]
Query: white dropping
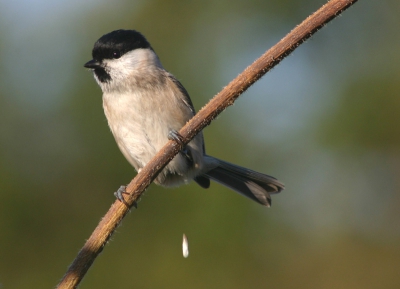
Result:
[185,246]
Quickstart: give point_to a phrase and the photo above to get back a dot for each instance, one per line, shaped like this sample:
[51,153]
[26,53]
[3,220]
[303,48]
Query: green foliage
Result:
[366,116]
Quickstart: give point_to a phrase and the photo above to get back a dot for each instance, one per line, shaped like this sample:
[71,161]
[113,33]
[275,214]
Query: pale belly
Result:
[141,132]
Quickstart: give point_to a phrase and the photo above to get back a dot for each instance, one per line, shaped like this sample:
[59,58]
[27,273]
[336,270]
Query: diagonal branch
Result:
[95,244]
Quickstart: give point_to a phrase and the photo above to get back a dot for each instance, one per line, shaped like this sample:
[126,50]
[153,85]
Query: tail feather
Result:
[252,184]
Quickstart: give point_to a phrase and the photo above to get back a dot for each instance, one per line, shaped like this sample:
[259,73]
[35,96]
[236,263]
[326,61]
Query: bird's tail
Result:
[254,185]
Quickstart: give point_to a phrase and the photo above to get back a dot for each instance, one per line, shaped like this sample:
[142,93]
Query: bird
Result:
[146,106]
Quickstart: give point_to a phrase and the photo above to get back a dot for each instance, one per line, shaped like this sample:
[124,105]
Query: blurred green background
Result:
[326,122]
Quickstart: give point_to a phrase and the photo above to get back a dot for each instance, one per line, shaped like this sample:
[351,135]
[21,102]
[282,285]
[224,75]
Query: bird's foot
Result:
[119,194]
[176,136]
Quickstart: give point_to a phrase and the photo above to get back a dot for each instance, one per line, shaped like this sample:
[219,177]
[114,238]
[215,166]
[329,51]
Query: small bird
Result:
[146,106]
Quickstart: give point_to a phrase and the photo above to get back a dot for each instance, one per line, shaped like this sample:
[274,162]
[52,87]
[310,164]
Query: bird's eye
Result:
[116,54]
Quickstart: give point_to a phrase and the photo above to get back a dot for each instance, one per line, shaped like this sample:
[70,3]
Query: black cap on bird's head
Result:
[117,43]
[112,46]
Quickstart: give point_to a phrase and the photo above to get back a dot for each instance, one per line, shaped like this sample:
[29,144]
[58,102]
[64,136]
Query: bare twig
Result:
[95,244]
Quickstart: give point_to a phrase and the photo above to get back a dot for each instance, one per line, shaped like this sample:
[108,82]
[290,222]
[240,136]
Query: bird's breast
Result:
[140,123]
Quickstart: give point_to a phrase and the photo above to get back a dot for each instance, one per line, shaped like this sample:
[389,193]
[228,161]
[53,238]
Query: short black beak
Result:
[92,64]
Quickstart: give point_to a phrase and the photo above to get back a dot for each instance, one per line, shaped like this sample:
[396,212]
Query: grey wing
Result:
[203,181]
[186,99]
